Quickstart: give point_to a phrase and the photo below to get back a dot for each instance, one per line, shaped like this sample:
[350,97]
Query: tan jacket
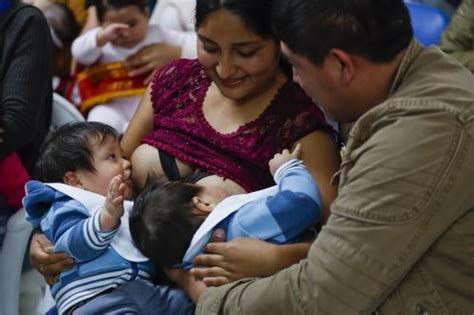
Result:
[400,239]
[458,38]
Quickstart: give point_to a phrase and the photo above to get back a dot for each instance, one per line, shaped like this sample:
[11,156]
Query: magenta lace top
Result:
[181,130]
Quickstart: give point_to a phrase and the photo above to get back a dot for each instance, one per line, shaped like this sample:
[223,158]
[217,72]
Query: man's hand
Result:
[225,262]
[281,158]
[48,263]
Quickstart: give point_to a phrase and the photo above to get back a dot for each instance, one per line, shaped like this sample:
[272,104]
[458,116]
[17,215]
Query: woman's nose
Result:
[226,68]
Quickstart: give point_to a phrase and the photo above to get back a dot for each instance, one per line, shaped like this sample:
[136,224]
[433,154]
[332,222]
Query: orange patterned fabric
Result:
[99,84]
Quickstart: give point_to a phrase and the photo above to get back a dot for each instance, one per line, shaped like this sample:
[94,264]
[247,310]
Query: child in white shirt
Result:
[124,30]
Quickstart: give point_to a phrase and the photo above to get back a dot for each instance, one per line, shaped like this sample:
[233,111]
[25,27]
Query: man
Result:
[400,239]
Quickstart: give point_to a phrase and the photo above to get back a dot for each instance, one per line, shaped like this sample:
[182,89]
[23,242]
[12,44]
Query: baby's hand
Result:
[115,197]
[281,158]
[110,33]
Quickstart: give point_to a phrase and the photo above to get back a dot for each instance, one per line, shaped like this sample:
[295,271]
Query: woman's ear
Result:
[200,204]
[72,179]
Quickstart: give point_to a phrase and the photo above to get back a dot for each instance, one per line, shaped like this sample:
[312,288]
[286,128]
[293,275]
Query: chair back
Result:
[63,112]
[428,22]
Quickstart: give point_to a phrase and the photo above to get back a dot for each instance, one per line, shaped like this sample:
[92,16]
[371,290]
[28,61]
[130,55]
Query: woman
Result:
[227,114]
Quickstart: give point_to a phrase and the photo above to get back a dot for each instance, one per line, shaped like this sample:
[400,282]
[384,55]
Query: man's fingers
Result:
[208,260]
[216,281]
[201,273]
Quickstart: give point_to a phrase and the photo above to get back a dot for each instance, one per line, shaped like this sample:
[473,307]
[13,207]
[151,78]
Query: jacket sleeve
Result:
[391,191]
[85,49]
[283,217]
[26,82]
[458,38]
[74,231]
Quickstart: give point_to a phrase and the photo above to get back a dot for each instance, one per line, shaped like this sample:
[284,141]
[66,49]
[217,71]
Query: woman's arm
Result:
[140,125]
[45,260]
[321,156]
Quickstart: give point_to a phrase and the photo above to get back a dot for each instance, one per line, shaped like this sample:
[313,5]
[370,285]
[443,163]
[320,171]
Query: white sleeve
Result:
[84,48]
[176,29]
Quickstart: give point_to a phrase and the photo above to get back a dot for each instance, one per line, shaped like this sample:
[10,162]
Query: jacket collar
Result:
[412,52]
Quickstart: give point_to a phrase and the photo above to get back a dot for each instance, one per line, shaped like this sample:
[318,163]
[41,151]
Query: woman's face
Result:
[241,63]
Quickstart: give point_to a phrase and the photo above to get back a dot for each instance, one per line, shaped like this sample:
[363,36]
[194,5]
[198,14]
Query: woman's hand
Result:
[48,263]
[225,262]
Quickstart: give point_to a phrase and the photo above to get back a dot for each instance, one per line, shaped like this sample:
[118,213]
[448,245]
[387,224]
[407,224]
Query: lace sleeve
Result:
[170,80]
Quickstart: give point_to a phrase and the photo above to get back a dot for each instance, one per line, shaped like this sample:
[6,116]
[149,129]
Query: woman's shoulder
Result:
[180,66]
[177,77]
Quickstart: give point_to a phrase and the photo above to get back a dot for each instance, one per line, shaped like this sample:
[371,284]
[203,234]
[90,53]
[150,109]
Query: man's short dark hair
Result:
[375,29]
[68,148]
[162,224]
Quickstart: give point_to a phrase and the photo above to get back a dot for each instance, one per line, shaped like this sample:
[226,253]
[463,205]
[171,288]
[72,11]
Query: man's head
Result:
[336,46]
[162,222]
[86,155]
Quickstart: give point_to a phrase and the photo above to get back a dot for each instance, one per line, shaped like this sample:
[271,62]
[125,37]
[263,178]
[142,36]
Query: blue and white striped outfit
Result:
[278,214]
[73,226]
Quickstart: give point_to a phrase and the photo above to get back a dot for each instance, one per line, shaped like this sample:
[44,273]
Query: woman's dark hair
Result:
[102,6]
[162,224]
[69,149]
[375,29]
[255,13]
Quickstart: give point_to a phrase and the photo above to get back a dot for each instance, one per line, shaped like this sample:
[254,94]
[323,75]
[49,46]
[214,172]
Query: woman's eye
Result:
[132,24]
[209,49]
[247,54]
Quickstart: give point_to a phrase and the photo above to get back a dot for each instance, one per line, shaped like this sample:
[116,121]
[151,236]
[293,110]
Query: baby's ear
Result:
[71,178]
[202,205]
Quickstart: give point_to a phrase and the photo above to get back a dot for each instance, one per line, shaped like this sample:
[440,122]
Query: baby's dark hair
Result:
[68,148]
[102,6]
[162,223]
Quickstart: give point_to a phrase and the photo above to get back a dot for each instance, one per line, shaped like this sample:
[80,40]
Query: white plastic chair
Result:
[19,231]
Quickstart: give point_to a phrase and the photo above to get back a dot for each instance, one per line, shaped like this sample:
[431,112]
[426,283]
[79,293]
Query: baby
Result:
[83,210]
[166,216]
[107,92]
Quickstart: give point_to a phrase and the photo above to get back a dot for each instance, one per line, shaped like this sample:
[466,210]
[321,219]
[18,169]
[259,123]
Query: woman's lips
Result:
[231,82]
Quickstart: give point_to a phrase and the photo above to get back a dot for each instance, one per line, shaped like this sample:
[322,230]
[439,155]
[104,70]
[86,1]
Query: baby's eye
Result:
[112,157]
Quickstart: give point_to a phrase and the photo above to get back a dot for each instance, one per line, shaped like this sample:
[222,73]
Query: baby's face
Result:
[108,160]
[137,21]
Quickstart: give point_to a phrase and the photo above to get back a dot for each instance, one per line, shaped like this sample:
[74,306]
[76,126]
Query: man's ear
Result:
[201,204]
[344,64]
[72,179]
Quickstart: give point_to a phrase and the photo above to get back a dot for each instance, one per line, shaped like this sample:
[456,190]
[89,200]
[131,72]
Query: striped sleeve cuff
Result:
[93,235]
